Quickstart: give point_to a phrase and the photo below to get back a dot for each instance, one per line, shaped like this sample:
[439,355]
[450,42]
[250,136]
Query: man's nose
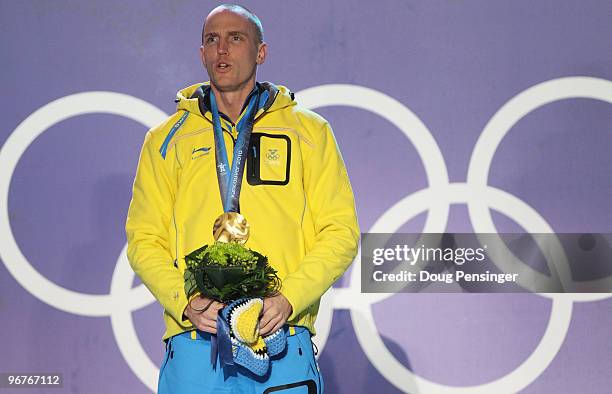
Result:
[222,47]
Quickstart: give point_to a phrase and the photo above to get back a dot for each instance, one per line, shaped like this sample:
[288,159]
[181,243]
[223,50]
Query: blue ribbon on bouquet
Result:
[221,344]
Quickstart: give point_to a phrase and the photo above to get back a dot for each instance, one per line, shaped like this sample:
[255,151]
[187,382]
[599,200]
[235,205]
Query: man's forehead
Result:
[220,20]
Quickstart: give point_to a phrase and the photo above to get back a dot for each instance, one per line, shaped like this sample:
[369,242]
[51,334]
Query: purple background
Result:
[453,63]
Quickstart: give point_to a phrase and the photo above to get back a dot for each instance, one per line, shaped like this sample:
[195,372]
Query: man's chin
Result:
[226,86]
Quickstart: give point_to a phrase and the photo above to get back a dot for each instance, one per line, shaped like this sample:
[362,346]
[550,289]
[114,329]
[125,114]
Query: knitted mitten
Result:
[276,342]
[249,349]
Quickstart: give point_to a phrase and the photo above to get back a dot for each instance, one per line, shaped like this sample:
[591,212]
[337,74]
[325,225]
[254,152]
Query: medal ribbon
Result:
[230,180]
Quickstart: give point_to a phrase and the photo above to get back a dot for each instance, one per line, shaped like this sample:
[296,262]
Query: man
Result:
[295,194]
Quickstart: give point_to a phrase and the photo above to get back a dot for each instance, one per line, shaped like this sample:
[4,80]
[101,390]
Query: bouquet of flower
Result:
[240,278]
[229,271]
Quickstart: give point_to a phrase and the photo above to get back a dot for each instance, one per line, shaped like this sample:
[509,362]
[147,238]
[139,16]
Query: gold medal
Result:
[231,227]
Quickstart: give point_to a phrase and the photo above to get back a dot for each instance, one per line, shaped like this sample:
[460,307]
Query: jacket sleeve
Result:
[147,229]
[330,200]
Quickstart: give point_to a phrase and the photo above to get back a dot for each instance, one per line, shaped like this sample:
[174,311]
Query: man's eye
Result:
[211,39]
[236,38]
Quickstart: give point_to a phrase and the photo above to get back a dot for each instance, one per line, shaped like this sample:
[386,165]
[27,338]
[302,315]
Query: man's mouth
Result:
[222,66]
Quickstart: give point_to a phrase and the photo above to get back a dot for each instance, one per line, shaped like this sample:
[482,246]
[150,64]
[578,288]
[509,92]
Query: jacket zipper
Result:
[231,136]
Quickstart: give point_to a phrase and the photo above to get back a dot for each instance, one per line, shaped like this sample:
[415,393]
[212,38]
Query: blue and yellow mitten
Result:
[250,349]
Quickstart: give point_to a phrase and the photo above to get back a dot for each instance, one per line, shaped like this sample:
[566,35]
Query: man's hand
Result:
[203,312]
[276,311]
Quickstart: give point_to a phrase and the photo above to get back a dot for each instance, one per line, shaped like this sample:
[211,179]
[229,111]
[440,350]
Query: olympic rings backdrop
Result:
[462,116]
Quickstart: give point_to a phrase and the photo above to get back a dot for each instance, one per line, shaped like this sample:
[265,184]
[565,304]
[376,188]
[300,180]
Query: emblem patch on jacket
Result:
[272,157]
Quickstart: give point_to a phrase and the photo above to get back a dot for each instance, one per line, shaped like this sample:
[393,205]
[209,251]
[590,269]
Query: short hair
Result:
[254,19]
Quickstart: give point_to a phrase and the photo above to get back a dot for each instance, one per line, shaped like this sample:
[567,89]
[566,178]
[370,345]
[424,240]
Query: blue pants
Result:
[187,369]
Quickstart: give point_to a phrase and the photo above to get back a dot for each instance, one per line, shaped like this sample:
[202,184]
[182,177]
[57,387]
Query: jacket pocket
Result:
[269,159]
[307,350]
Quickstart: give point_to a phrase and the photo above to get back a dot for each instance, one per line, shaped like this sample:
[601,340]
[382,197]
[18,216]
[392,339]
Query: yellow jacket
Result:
[295,195]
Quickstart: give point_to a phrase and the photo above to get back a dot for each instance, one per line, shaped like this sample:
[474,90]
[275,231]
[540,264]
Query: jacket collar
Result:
[267,90]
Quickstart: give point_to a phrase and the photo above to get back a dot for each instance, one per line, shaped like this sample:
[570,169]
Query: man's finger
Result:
[211,322]
[266,305]
[207,326]
[210,316]
[263,328]
[271,328]
[267,328]
[208,330]
[265,320]
[276,327]
[204,319]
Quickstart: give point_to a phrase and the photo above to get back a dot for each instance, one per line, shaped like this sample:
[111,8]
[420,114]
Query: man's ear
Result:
[202,56]
[262,52]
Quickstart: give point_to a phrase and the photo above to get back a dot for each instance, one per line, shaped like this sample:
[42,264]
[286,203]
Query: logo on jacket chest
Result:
[197,153]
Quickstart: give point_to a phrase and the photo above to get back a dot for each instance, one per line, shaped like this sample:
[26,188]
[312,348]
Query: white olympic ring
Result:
[123,299]
[14,147]
[403,378]
[501,123]
[440,196]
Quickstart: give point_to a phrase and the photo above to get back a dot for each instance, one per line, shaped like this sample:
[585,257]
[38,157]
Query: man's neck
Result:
[230,103]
